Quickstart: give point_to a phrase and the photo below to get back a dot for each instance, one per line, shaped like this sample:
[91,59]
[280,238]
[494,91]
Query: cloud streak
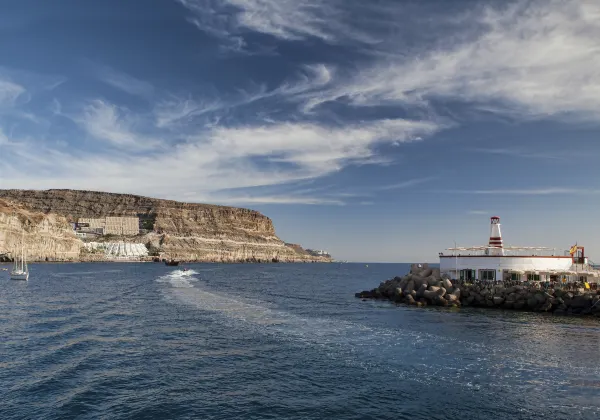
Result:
[210,162]
[538,58]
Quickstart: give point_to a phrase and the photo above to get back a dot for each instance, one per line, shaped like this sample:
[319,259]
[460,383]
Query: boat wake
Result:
[403,352]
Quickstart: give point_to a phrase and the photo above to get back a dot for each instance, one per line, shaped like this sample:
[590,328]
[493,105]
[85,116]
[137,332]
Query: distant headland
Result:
[73,225]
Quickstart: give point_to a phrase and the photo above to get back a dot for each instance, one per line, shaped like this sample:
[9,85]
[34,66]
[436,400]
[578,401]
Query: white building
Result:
[499,263]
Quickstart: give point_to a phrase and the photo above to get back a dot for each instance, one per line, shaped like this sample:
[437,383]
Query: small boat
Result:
[20,271]
[172,263]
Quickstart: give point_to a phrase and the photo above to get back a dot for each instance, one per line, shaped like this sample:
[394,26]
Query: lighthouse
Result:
[495,245]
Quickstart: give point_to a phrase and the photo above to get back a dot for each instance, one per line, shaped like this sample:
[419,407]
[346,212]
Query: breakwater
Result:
[424,286]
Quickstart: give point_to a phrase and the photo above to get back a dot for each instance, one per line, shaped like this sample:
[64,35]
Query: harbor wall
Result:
[425,287]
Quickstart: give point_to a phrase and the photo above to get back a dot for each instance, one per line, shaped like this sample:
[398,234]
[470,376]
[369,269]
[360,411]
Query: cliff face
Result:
[178,230]
[45,236]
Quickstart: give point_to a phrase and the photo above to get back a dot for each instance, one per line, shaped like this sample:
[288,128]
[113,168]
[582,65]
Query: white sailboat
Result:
[20,271]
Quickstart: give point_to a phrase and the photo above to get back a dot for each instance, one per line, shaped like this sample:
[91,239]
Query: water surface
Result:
[141,341]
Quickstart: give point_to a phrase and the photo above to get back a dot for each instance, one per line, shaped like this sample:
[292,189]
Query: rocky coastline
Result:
[424,286]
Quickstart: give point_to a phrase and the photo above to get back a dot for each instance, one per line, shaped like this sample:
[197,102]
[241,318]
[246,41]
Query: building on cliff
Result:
[495,262]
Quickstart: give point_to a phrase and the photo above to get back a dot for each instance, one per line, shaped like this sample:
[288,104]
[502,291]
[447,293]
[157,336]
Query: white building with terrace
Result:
[495,262]
[118,250]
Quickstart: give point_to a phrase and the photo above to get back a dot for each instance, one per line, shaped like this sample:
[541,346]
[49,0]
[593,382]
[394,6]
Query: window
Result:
[515,276]
[467,275]
[487,274]
[533,277]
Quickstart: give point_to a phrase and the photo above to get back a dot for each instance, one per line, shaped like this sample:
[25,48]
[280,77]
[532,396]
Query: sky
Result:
[384,131]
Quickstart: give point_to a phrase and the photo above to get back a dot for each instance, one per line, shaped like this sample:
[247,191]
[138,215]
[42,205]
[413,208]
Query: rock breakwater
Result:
[424,286]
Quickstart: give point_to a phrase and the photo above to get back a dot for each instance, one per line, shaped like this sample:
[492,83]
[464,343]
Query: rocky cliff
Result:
[188,231]
[46,236]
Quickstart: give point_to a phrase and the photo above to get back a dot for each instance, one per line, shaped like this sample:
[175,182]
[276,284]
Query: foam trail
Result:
[405,353]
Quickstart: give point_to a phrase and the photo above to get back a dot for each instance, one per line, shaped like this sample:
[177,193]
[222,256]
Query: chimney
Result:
[495,245]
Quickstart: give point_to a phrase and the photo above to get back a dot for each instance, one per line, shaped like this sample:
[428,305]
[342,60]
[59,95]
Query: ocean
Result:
[277,341]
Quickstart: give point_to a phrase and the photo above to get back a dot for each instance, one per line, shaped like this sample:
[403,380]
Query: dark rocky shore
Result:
[424,286]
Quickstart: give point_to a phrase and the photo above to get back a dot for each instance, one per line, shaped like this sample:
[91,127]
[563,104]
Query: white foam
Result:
[179,278]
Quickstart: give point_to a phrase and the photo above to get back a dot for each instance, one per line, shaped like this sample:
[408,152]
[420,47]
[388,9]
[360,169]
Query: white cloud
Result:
[532,191]
[114,125]
[539,57]
[290,20]
[9,92]
[478,212]
[178,111]
[123,81]
[406,184]
[209,163]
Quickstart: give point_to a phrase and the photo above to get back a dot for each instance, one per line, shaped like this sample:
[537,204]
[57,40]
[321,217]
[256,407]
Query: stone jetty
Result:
[424,286]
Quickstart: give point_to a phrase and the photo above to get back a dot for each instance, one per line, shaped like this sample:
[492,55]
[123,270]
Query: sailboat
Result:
[20,271]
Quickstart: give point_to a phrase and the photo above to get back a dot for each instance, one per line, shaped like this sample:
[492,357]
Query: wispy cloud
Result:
[122,81]
[407,184]
[532,191]
[476,212]
[520,153]
[9,92]
[290,20]
[115,125]
[209,162]
[537,57]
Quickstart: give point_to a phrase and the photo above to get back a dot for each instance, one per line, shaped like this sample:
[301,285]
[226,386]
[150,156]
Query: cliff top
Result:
[59,192]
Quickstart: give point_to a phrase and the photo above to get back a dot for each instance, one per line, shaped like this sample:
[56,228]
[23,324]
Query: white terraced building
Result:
[119,250]
[495,262]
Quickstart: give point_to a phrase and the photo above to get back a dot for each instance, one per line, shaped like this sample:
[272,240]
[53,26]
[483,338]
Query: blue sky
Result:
[380,131]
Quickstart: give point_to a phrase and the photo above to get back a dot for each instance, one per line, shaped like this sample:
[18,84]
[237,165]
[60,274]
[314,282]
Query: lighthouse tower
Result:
[495,245]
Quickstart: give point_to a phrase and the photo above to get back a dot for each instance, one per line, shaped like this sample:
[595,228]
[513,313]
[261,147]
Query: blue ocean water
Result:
[146,341]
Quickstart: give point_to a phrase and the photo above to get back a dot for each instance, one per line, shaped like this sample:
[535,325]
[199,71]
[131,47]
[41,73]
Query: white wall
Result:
[498,264]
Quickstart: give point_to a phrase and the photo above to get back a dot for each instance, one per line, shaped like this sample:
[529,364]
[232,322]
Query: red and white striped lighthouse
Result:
[495,245]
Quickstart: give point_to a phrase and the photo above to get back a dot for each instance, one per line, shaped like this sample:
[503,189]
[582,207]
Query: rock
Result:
[451,298]
[410,286]
[470,299]
[498,300]
[582,301]
[430,295]
[433,288]
[426,272]
[546,307]
[447,284]
[419,281]
[441,291]
[508,305]
[520,304]
[422,289]
[435,273]
[456,292]
[532,302]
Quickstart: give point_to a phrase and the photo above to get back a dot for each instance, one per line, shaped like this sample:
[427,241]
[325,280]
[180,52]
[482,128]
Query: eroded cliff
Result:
[188,231]
[45,236]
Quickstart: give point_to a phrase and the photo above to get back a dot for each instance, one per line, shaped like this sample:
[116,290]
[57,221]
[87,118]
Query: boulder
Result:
[456,292]
[447,284]
[498,300]
[581,301]
[429,294]
[441,291]
[435,273]
[422,289]
[451,298]
[520,304]
[426,272]
[410,286]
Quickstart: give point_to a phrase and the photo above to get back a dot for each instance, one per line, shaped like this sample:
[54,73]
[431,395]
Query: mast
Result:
[22,249]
